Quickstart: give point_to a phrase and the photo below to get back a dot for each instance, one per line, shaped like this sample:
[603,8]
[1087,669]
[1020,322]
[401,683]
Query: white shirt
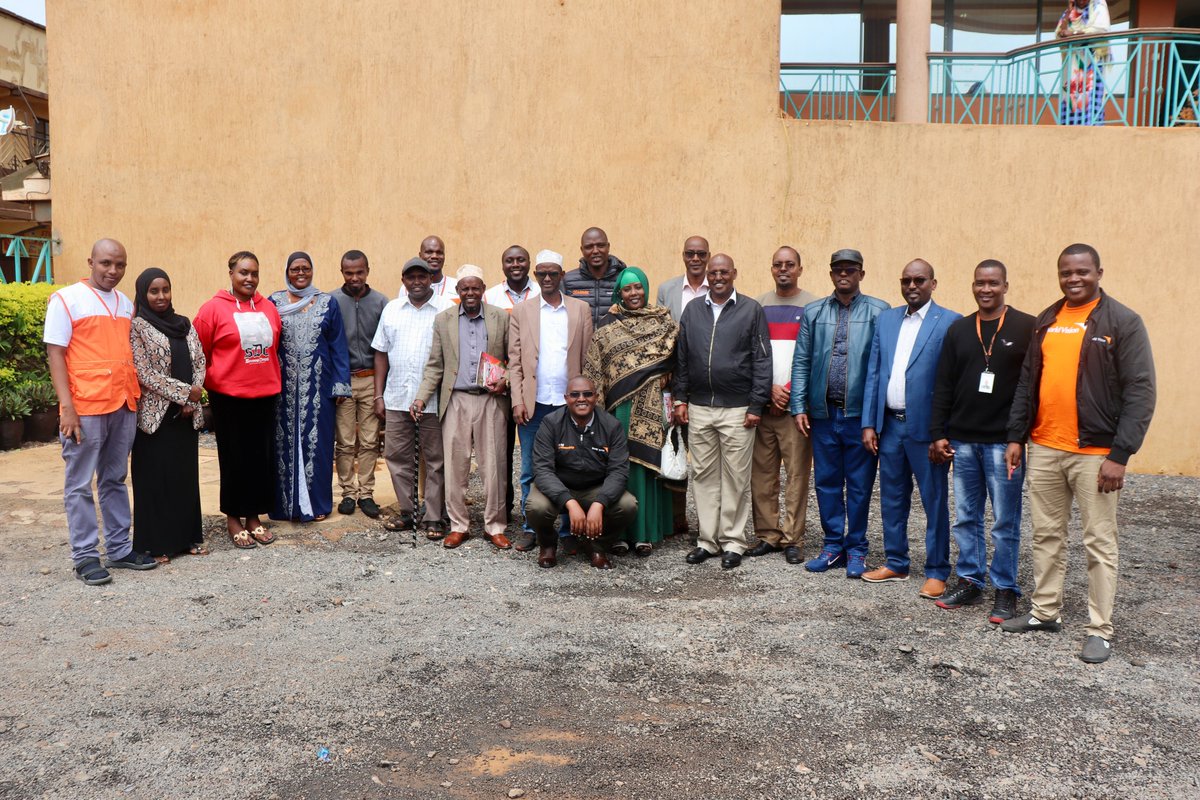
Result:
[687,294]
[501,296]
[717,308]
[909,329]
[77,301]
[552,353]
[405,333]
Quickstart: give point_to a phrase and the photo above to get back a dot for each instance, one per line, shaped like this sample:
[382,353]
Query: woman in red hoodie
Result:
[239,332]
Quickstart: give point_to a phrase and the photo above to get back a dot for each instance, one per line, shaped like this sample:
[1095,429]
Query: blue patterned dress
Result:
[315,370]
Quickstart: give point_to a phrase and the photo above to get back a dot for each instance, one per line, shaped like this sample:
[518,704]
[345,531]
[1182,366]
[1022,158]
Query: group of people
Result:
[595,382]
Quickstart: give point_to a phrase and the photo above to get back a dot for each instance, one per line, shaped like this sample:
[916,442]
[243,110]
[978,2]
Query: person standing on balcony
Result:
[516,287]
[1083,65]
[356,449]
[897,402]
[777,440]
[594,281]
[676,293]
[91,364]
[972,397]
[722,383]
[829,371]
[1084,402]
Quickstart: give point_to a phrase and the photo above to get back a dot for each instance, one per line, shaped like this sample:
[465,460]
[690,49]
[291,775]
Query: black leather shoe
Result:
[731,560]
[762,549]
[346,506]
[698,556]
[964,594]
[368,506]
[792,555]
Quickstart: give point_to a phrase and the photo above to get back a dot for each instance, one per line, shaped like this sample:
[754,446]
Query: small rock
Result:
[44,570]
[652,699]
[991,751]
[337,601]
[931,757]
[431,754]
[452,761]
[704,701]
[383,764]
[376,779]
[1137,662]
[905,648]
[445,784]
[22,726]
[1141,762]
[803,770]
[515,792]
[506,725]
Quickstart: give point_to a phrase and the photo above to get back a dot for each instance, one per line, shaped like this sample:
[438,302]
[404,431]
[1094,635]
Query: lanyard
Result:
[987,351]
[102,302]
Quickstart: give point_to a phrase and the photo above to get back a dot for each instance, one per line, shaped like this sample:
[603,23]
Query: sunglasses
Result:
[918,281]
[576,395]
[544,274]
[844,270]
[695,254]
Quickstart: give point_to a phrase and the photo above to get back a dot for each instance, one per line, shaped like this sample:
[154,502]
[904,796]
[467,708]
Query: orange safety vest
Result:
[100,363]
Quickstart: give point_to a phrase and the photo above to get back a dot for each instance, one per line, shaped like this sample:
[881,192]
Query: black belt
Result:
[836,403]
[896,413]
[472,391]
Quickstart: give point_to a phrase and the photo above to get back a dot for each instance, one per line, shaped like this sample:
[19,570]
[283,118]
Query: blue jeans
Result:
[525,435]
[904,455]
[980,473]
[844,474]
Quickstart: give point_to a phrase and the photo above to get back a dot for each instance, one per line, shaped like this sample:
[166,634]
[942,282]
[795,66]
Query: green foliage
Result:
[24,374]
[41,395]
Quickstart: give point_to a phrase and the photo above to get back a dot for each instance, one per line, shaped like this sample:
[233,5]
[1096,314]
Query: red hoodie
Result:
[240,342]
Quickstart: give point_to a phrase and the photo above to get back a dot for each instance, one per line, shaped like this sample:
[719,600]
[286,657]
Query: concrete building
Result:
[191,131]
[25,148]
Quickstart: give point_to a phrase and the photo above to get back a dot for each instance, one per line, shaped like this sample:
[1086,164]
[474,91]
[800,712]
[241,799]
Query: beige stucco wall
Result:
[277,126]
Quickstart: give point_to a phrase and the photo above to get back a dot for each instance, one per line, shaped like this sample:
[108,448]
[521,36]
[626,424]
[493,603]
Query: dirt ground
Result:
[343,662]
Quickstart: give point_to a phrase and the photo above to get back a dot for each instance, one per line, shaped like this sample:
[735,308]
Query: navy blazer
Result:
[919,377]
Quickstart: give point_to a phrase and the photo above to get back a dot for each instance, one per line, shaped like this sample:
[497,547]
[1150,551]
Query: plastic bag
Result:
[673,464]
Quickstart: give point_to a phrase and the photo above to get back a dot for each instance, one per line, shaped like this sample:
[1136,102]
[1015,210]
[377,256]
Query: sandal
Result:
[162,559]
[262,535]
[619,549]
[398,522]
[198,549]
[643,550]
[242,540]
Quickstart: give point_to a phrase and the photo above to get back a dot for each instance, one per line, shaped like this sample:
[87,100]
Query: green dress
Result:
[654,519]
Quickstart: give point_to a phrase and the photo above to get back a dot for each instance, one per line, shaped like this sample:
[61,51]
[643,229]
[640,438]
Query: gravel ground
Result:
[342,662]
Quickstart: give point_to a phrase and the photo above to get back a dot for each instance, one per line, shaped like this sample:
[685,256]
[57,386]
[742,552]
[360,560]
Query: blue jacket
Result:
[814,350]
[919,377]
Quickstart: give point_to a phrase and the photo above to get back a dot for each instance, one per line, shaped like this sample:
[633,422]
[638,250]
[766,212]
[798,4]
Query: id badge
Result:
[986,381]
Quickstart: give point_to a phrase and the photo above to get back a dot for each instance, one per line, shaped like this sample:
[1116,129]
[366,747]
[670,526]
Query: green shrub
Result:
[22,320]
[13,404]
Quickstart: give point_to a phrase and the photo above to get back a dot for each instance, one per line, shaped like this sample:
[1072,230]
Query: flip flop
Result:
[197,550]
[262,535]
[245,543]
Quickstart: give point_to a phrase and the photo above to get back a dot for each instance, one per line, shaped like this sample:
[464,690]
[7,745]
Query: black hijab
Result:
[174,326]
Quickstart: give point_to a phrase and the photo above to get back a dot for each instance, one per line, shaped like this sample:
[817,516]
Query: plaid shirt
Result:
[405,334]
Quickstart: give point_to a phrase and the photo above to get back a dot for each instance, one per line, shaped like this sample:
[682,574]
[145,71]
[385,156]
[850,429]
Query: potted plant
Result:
[13,410]
[42,425]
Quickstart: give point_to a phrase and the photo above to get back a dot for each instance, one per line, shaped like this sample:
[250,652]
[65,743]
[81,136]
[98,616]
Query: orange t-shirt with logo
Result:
[1057,423]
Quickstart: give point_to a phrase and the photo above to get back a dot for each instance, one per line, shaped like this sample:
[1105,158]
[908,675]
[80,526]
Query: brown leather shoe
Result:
[548,557]
[932,589]
[454,539]
[599,560]
[883,574]
[500,540]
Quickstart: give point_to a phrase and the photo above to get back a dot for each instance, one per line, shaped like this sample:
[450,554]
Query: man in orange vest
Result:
[91,364]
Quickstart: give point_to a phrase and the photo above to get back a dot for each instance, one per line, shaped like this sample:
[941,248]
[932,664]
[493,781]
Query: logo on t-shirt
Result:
[256,334]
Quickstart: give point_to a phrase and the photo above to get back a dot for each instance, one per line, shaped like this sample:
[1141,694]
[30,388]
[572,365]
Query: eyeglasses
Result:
[920,280]
[845,270]
[577,395]
[542,274]
[695,254]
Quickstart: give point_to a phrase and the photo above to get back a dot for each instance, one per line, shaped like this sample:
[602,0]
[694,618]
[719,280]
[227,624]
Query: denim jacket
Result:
[814,351]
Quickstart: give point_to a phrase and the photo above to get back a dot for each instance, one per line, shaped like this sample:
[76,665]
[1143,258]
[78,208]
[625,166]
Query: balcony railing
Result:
[862,92]
[1146,77]
[20,254]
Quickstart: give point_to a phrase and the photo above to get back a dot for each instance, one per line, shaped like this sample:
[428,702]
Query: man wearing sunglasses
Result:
[580,468]
[897,410]
[676,293]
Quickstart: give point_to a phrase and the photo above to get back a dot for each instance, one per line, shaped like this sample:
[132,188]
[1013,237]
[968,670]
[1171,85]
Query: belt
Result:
[471,391]
[836,403]
[362,373]
[895,413]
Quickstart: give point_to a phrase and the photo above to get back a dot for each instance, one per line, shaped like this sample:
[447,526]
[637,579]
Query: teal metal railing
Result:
[21,252]
[1145,77]
[863,92]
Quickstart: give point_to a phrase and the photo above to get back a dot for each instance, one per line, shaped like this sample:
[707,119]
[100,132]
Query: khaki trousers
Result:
[721,453]
[776,442]
[544,517]
[1055,477]
[475,419]
[400,454]
[356,439]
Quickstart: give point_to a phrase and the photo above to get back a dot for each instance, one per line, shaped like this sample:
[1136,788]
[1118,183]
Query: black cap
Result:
[416,263]
[846,254]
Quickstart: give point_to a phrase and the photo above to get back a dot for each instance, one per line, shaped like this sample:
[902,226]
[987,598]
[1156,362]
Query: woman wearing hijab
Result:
[1083,66]
[239,331]
[316,374]
[631,355]
[166,471]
